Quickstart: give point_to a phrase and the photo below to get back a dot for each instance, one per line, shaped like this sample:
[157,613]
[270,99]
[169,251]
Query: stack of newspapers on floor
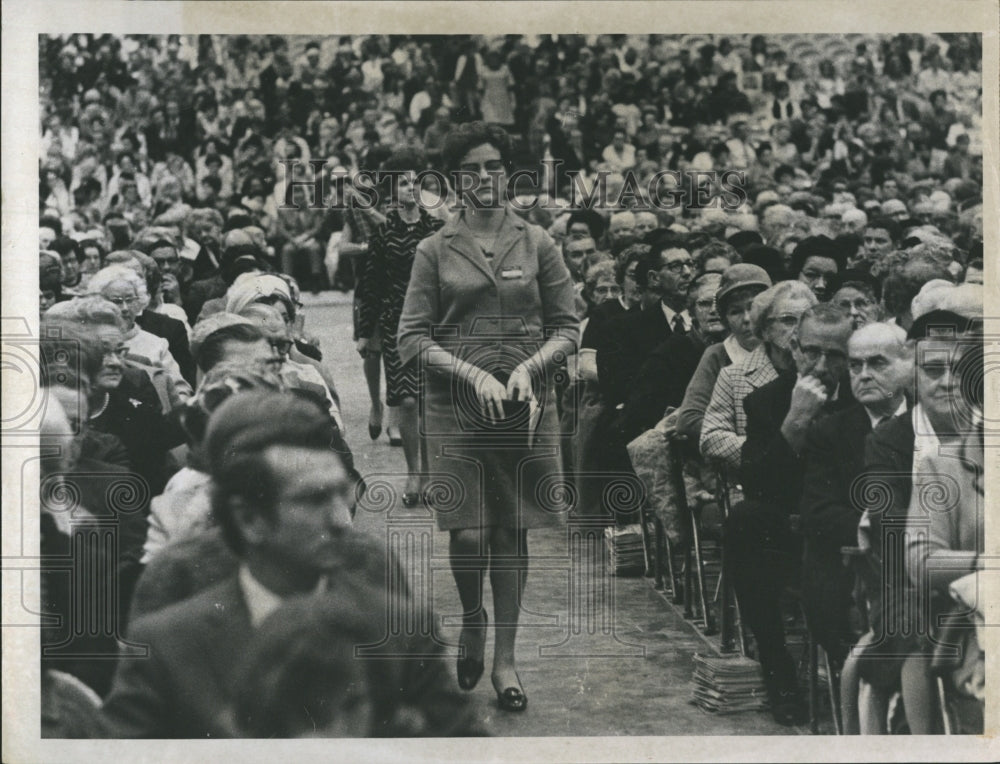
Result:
[728,685]
[625,549]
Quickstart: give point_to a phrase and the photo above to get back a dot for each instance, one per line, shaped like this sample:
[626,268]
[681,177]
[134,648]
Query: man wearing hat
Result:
[283,498]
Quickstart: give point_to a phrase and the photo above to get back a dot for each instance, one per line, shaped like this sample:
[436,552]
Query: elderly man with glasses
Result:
[761,537]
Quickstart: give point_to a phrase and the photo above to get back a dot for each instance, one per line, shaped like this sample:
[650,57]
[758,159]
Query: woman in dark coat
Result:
[490,315]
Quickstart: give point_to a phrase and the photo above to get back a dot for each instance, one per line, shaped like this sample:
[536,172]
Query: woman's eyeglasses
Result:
[608,291]
[122,302]
[788,320]
[812,354]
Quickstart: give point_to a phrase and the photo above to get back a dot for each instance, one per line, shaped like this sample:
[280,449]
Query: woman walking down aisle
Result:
[490,312]
[392,249]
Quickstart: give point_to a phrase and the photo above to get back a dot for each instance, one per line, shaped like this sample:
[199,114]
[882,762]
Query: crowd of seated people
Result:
[811,336]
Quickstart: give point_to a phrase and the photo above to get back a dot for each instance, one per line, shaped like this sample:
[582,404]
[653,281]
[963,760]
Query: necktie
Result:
[678,324]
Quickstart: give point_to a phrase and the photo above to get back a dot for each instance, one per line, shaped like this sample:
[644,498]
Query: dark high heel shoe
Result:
[394,439]
[374,427]
[411,499]
[511,698]
[470,669]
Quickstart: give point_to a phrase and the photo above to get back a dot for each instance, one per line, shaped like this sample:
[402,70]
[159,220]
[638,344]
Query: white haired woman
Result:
[774,314]
[126,289]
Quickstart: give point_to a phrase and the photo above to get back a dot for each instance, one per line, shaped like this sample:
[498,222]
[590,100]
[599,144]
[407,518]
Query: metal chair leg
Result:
[706,613]
[946,724]
[833,690]
[647,551]
[658,538]
[688,586]
[813,686]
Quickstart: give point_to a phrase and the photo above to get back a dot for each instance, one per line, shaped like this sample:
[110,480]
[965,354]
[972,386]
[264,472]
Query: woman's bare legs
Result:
[919,697]
[508,573]
[372,366]
[864,708]
[392,422]
[470,557]
[408,430]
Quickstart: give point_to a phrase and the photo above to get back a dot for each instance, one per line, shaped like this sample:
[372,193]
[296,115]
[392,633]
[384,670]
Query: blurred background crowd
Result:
[167,250]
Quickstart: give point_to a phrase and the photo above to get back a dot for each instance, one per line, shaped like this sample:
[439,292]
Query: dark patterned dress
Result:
[364,311]
[391,248]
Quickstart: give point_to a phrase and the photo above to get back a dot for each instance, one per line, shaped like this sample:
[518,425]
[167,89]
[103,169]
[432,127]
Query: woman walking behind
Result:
[391,251]
[490,313]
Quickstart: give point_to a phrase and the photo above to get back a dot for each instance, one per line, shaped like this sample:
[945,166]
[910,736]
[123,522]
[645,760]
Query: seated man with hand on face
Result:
[764,549]
[881,366]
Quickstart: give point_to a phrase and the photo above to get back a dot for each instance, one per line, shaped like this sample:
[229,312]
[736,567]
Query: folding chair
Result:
[733,637]
[694,567]
[832,686]
[960,714]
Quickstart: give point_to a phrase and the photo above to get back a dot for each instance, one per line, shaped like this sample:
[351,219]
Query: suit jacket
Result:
[175,334]
[834,459]
[598,320]
[888,474]
[200,292]
[627,343]
[771,472]
[661,382]
[183,686]
[885,487]
[493,314]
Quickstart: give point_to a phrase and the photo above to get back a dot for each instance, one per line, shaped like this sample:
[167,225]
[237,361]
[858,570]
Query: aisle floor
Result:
[630,676]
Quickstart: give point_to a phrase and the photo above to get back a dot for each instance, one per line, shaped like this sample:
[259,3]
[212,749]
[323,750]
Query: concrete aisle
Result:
[597,655]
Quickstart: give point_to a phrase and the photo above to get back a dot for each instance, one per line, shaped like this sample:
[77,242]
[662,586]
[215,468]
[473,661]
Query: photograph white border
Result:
[24,20]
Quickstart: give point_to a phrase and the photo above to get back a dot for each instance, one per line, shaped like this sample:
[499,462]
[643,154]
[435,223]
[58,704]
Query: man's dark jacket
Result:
[627,343]
[771,471]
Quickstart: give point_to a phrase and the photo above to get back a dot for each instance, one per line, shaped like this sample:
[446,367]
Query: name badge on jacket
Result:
[511,273]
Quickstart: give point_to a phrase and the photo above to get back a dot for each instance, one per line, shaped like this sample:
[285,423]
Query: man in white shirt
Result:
[619,155]
[741,153]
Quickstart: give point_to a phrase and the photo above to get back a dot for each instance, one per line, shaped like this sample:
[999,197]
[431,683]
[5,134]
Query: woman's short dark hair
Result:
[90,244]
[462,139]
[66,247]
[404,160]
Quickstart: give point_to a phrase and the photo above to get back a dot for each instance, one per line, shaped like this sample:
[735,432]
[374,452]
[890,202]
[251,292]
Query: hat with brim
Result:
[943,324]
[740,276]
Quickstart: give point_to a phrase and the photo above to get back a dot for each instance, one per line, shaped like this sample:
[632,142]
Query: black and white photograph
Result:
[440,384]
